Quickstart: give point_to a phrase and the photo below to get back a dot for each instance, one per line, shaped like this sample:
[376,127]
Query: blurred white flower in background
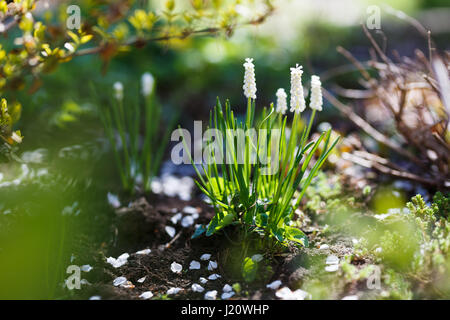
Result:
[147,84]
[118,90]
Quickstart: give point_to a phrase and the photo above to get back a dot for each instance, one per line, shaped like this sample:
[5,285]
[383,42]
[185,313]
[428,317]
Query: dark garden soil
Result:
[142,225]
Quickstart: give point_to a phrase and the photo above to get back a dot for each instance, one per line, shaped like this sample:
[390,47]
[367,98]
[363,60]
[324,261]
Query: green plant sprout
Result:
[243,191]
[138,158]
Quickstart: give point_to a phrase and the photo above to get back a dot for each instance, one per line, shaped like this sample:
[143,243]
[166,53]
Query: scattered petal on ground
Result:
[170,231]
[354,297]
[95,298]
[120,261]
[332,268]
[187,221]
[176,267]
[173,291]
[324,247]
[227,288]
[144,252]
[227,295]
[212,265]
[257,257]
[203,280]
[119,281]
[197,288]
[214,276]
[86,268]
[190,210]
[84,281]
[113,200]
[146,295]
[141,280]
[286,294]
[332,259]
[211,295]
[205,256]
[176,218]
[274,285]
[195,265]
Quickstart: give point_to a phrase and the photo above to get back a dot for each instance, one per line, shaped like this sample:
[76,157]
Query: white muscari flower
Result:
[118,90]
[249,79]
[316,101]
[147,83]
[281,101]
[297,96]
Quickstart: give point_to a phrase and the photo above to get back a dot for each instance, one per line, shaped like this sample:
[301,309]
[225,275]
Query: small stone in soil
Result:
[205,256]
[274,285]
[146,295]
[211,295]
[144,252]
[173,291]
[197,288]
[212,265]
[176,267]
[195,265]
[170,231]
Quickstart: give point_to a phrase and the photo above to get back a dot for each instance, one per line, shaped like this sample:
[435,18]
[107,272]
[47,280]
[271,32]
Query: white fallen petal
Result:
[146,295]
[173,291]
[227,288]
[257,257]
[332,259]
[332,268]
[227,295]
[176,218]
[286,294]
[195,265]
[197,288]
[353,297]
[324,247]
[187,221]
[274,285]
[214,276]
[212,265]
[190,210]
[86,268]
[211,295]
[144,252]
[141,280]
[203,280]
[84,281]
[95,298]
[119,281]
[170,231]
[120,261]
[205,256]
[176,267]
[113,200]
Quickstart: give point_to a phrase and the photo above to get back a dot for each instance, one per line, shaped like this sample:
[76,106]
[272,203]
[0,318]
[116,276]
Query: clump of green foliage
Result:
[260,196]
[9,137]
[138,156]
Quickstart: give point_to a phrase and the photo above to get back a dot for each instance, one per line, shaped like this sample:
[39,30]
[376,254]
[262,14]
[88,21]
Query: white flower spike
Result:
[297,97]
[147,83]
[118,90]
[281,101]
[316,94]
[249,79]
